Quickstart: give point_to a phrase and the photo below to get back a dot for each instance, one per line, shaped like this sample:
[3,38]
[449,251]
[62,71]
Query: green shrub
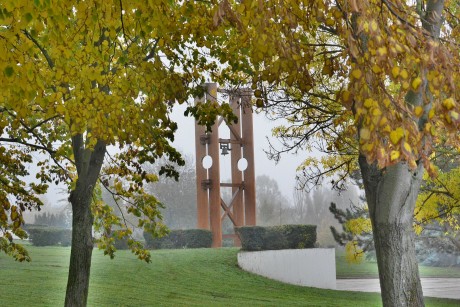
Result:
[300,236]
[252,237]
[256,238]
[46,236]
[274,238]
[190,238]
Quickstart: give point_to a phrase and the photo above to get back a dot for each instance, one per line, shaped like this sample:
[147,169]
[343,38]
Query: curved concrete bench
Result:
[312,267]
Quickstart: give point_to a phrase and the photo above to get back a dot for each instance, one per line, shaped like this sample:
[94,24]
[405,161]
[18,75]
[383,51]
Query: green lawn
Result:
[368,269]
[203,277]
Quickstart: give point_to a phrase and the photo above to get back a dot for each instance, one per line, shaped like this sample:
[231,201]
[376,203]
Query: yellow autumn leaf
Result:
[418,111]
[454,116]
[368,147]
[366,27]
[404,74]
[448,103]
[395,71]
[416,83]
[14,215]
[382,51]
[373,25]
[387,128]
[376,69]
[396,135]
[394,155]
[330,22]
[346,96]
[357,74]
[407,147]
[60,109]
[368,103]
[376,112]
[151,177]
[386,102]
[365,134]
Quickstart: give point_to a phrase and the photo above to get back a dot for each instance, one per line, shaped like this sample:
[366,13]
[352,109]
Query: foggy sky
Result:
[283,172]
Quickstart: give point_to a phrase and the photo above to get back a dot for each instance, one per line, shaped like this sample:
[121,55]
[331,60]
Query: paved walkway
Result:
[433,287]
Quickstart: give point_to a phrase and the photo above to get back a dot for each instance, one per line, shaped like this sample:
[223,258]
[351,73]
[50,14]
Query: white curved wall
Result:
[312,267]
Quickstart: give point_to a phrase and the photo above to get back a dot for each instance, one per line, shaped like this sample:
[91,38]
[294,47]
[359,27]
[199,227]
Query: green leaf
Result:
[28,17]
[9,70]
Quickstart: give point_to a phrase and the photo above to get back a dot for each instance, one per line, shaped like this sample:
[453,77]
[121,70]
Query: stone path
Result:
[433,287]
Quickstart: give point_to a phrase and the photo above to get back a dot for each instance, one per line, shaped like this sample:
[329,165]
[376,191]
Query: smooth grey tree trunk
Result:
[89,164]
[391,195]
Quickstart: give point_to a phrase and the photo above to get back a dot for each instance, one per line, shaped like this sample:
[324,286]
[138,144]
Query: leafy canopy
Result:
[359,77]
[77,75]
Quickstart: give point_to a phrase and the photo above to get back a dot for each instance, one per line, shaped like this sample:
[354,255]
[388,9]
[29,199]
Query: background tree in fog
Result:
[271,206]
[178,198]
[311,207]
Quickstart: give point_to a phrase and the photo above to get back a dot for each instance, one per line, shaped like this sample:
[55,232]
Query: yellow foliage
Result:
[368,103]
[418,111]
[365,134]
[407,147]
[396,135]
[453,117]
[404,74]
[382,51]
[416,83]
[439,201]
[359,226]
[448,103]
[356,73]
[394,155]
[353,254]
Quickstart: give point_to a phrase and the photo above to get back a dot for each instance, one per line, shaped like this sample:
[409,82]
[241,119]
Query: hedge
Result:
[256,238]
[190,238]
[46,236]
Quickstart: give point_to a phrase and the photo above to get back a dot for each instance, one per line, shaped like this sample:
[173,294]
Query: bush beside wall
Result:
[47,236]
[256,238]
[190,238]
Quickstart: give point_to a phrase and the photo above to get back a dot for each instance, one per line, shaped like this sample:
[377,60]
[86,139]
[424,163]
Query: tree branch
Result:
[43,50]
[19,141]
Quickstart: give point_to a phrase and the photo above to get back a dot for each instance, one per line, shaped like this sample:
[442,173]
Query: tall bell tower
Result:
[212,209]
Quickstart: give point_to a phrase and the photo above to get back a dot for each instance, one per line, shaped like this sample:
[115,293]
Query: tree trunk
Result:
[391,195]
[88,163]
[82,248]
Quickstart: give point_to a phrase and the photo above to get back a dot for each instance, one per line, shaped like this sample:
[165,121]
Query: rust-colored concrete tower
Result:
[212,210]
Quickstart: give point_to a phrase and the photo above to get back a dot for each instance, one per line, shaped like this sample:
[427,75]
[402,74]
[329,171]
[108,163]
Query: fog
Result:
[284,171]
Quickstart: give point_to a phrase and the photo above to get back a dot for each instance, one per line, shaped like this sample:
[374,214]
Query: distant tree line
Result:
[307,207]
[59,219]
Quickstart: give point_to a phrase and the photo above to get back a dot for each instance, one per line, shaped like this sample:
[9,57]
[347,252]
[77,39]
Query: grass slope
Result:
[203,277]
[368,269]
